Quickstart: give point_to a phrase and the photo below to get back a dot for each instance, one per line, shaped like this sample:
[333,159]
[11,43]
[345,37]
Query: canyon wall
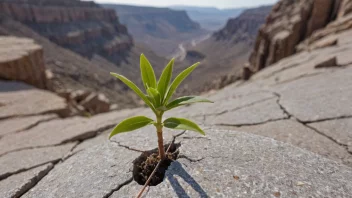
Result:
[82,27]
[289,23]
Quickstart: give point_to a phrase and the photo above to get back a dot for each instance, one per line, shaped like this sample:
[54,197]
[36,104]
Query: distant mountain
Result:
[161,29]
[210,18]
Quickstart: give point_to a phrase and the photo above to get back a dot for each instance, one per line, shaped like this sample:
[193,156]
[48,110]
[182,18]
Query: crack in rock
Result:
[118,187]
[239,108]
[281,106]
[9,174]
[127,147]
[33,181]
[251,124]
[181,156]
[80,138]
[329,137]
[327,119]
[36,124]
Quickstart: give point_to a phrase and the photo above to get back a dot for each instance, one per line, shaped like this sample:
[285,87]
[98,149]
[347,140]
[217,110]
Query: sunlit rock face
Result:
[289,23]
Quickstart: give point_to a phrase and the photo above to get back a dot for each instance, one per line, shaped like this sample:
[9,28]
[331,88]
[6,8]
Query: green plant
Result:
[157,99]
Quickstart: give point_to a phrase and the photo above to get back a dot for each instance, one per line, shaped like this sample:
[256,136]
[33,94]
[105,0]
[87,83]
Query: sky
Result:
[203,3]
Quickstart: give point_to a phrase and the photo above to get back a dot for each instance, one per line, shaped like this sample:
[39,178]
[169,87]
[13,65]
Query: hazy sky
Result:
[213,3]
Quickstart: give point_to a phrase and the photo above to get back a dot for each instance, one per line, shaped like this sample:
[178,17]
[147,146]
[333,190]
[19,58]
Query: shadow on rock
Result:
[177,169]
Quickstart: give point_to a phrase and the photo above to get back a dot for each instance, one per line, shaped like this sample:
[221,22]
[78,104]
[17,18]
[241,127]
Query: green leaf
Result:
[147,73]
[165,78]
[178,80]
[155,95]
[134,88]
[131,124]
[186,100]
[182,124]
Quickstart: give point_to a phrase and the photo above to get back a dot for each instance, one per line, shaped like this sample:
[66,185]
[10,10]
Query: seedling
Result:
[157,99]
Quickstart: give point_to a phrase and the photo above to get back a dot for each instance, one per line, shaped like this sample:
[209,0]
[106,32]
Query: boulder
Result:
[96,103]
[22,60]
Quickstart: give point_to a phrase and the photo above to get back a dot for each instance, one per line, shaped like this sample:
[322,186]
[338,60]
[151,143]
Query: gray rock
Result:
[100,139]
[60,131]
[228,104]
[29,101]
[18,184]
[339,130]
[26,159]
[261,112]
[318,97]
[295,133]
[13,125]
[94,172]
[235,164]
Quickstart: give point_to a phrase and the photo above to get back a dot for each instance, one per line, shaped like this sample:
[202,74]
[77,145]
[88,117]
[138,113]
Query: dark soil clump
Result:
[145,164]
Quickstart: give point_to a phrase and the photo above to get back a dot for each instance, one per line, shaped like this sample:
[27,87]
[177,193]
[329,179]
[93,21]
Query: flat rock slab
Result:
[234,164]
[339,130]
[260,112]
[318,97]
[223,105]
[94,172]
[26,159]
[226,164]
[13,125]
[60,131]
[297,134]
[17,185]
[18,99]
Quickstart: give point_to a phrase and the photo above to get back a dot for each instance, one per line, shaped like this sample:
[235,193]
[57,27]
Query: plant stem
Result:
[159,131]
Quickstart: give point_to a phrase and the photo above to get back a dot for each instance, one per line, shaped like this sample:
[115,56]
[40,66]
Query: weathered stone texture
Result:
[94,172]
[19,99]
[14,162]
[17,185]
[10,126]
[291,22]
[236,164]
[22,60]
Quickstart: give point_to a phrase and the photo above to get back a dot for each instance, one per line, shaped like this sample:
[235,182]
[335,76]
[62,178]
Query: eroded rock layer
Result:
[80,26]
[21,59]
[289,23]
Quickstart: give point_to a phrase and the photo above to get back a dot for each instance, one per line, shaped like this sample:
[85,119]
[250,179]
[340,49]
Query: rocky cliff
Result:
[82,27]
[245,26]
[291,22]
[161,29]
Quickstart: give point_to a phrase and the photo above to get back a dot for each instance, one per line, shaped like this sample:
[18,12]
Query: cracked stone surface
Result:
[14,125]
[94,172]
[26,159]
[228,104]
[236,164]
[17,185]
[340,130]
[99,139]
[295,133]
[27,100]
[258,113]
[60,131]
[319,97]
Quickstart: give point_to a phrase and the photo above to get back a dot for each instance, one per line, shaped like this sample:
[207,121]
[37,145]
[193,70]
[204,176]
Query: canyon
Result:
[161,29]
[283,130]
